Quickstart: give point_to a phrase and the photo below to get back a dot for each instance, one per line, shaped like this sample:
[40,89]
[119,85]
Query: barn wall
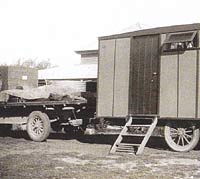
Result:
[121,78]
[105,77]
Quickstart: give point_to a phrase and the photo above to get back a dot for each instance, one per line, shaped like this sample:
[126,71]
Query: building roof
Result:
[72,72]
[134,27]
[152,31]
[84,52]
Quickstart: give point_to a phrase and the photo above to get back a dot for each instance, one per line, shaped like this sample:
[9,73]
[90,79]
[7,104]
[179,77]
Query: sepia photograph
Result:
[99,89]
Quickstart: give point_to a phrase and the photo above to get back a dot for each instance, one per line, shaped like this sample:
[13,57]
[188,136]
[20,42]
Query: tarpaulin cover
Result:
[43,92]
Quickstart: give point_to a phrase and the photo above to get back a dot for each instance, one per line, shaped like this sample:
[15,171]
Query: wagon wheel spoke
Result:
[186,139]
[173,129]
[182,140]
[179,138]
[173,133]
[188,131]
[188,136]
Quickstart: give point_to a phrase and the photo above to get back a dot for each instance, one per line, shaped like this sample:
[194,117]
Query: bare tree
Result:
[44,64]
[31,63]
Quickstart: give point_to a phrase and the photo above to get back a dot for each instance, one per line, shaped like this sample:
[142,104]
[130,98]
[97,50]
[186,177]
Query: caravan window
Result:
[180,41]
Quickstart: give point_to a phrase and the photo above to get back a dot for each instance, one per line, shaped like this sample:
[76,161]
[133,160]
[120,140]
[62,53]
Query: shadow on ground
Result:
[154,142]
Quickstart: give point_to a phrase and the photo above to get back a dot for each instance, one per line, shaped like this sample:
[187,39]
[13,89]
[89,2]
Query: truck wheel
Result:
[181,138]
[38,126]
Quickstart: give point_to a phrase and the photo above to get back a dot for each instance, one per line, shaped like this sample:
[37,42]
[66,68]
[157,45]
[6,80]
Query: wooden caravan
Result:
[153,72]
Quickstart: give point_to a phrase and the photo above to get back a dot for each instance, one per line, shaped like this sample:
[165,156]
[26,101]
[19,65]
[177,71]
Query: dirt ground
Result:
[62,157]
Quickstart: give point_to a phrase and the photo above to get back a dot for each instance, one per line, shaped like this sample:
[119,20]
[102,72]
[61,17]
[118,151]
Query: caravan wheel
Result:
[181,138]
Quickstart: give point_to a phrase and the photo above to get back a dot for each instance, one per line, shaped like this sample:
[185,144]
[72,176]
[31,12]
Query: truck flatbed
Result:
[41,116]
[39,103]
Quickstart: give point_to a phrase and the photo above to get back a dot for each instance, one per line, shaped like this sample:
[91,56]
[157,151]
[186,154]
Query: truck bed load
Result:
[43,93]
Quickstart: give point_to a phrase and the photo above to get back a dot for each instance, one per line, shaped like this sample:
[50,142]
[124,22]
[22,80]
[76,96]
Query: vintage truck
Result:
[38,110]
[39,116]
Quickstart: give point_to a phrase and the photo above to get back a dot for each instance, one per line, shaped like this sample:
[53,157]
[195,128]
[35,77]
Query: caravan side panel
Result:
[168,86]
[198,92]
[121,78]
[105,78]
[187,84]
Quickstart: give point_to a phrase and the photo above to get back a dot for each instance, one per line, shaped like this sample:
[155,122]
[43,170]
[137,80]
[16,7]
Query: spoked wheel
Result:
[38,126]
[181,138]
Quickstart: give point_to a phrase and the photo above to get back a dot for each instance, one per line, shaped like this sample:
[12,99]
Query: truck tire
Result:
[181,138]
[38,126]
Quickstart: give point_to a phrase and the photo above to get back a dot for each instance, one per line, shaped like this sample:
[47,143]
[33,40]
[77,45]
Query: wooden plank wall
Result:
[198,93]
[105,78]
[168,86]
[187,84]
[113,78]
[144,82]
[178,84]
[121,78]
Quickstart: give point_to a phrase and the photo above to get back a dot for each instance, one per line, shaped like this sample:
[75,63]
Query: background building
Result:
[82,77]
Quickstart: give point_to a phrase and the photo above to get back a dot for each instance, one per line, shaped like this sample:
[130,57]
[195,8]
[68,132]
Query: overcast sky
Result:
[41,29]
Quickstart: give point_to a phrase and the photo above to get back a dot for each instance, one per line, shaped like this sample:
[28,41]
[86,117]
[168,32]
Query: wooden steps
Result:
[133,129]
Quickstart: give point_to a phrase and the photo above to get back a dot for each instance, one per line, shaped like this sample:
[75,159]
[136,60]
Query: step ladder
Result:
[144,124]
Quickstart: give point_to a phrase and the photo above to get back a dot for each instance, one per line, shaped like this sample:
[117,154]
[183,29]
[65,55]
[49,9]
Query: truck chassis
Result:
[40,117]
